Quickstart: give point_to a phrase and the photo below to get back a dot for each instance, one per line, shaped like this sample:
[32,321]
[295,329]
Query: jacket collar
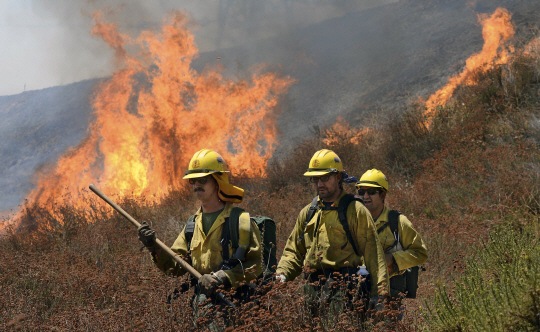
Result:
[219,220]
[336,203]
[383,218]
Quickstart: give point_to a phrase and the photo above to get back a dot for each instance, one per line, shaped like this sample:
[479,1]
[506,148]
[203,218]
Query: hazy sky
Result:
[47,42]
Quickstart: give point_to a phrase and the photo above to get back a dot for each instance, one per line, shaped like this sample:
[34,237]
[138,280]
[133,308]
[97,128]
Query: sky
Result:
[48,43]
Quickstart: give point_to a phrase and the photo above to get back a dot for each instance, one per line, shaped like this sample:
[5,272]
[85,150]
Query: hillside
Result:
[36,128]
[467,178]
[376,60]
[465,173]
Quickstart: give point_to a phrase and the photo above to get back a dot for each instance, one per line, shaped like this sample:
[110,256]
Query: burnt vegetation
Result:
[469,181]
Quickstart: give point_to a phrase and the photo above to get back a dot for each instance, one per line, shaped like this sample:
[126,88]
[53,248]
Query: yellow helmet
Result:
[324,162]
[373,178]
[209,162]
[205,162]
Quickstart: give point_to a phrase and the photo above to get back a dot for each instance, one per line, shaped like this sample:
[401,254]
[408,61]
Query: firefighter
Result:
[327,243]
[403,246]
[211,254]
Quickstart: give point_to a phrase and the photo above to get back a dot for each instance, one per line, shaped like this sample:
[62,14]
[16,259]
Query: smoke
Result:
[50,42]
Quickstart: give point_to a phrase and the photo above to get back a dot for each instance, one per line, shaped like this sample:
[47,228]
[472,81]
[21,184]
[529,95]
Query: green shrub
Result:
[498,291]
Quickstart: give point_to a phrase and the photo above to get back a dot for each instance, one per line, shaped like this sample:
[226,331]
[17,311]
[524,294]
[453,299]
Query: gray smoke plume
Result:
[48,42]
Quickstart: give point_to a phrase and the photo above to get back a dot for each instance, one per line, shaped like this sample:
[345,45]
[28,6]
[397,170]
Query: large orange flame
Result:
[156,111]
[497,29]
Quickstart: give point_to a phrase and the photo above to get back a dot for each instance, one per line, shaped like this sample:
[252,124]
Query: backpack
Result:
[342,215]
[407,281]
[230,234]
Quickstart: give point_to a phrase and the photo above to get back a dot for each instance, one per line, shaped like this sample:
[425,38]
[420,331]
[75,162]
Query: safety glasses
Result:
[324,178]
[370,192]
[202,180]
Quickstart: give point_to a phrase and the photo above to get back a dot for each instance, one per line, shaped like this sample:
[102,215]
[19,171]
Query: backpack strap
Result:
[393,221]
[311,212]
[237,230]
[342,214]
[244,228]
[241,223]
[188,231]
[225,239]
[234,233]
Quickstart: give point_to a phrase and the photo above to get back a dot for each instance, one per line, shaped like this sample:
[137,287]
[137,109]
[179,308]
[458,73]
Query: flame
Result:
[156,111]
[497,29]
[341,131]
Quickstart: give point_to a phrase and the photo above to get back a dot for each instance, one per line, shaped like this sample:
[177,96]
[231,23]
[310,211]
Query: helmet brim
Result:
[317,173]
[363,184]
[200,175]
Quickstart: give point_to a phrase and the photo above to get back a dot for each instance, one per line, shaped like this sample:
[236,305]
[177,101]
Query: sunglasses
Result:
[324,178]
[370,192]
[202,180]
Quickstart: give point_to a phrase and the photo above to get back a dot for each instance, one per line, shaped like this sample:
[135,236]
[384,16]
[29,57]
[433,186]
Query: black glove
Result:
[147,235]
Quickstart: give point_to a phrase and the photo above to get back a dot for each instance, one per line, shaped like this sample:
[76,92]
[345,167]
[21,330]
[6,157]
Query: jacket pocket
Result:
[335,236]
[309,235]
[195,244]
[196,258]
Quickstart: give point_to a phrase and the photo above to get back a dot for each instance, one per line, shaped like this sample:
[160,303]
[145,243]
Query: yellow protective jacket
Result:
[206,251]
[329,239]
[414,250]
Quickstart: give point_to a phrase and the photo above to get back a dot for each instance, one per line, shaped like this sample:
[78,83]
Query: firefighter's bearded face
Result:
[327,186]
[205,188]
